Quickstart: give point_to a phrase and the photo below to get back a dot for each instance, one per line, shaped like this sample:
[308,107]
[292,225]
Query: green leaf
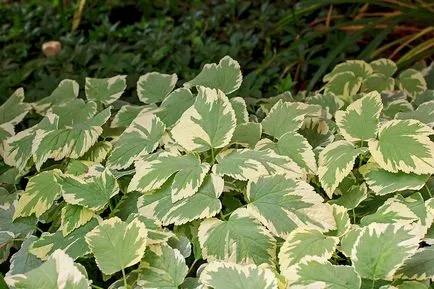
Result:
[117,245]
[139,139]
[384,66]
[419,266]
[13,110]
[247,134]
[151,174]
[19,227]
[126,115]
[383,182]
[240,239]
[283,204]
[382,248]
[411,81]
[74,112]
[404,145]
[93,193]
[221,275]
[360,120]
[6,131]
[320,274]
[72,142]
[105,90]
[204,203]
[424,113]
[7,241]
[351,196]
[22,261]
[422,97]
[378,82]
[41,191]
[335,163]
[287,117]
[67,90]
[58,272]
[162,267]
[305,244]
[208,124]
[394,107]
[246,164]
[73,216]
[225,76]
[153,87]
[98,152]
[327,101]
[73,244]
[174,105]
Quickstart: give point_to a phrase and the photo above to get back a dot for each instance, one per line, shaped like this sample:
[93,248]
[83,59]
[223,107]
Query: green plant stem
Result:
[96,286]
[191,267]
[125,278]
[373,284]
[354,216]
[428,191]
[111,206]
[212,156]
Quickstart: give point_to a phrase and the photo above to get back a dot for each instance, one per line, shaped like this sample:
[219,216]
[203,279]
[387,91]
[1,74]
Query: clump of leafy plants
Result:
[197,189]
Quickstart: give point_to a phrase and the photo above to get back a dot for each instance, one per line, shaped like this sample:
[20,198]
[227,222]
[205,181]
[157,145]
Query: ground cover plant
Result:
[194,188]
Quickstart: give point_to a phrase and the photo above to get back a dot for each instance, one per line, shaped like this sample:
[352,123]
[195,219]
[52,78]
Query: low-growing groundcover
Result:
[196,189]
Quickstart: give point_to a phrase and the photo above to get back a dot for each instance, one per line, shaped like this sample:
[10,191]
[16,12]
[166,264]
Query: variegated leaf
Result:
[117,245]
[349,239]
[283,204]
[156,234]
[384,66]
[162,267]
[383,182]
[174,105]
[287,117]
[67,90]
[424,113]
[74,244]
[105,90]
[93,193]
[41,191]
[420,266]
[246,164]
[247,134]
[98,152]
[240,239]
[360,120]
[18,227]
[335,163]
[343,84]
[208,124]
[378,82]
[358,67]
[73,217]
[240,109]
[152,172]
[323,275]
[404,145]
[23,261]
[221,275]
[342,220]
[139,139]
[225,76]
[411,81]
[328,101]
[351,196]
[58,272]
[204,203]
[73,112]
[6,131]
[13,110]
[153,87]
[317,132]
[381,249]
[305,244]
[126,115]
[72,142]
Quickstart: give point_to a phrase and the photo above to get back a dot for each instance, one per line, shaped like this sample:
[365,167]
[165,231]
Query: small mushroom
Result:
[51,48]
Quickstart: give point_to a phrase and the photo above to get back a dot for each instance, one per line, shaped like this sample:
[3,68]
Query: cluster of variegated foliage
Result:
[195,189]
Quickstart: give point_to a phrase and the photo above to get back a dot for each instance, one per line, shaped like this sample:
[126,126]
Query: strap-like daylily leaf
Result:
[74,244]
[221,275]
[225,76]
[153,87]
[58,272]
[246,164]
[151,174]
[23,261]
[335,163]
[72,142]
[66,91]
[240,239]
[383,182]
[384,66]
[139,139]
[174,105]
[283,204]
[18,148]
[204,203]
[287,117]
[117,245]
[305,244]
[381,249]
[247,134]
[105,90]
[323,275]
[93,193]
[41,191]
[296,147]
[162,267]
[424,113]
[98,152]
[208,124]
[404,145]
[14,109]
[420,266]
[411,81]
[74,216]
[360,120]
